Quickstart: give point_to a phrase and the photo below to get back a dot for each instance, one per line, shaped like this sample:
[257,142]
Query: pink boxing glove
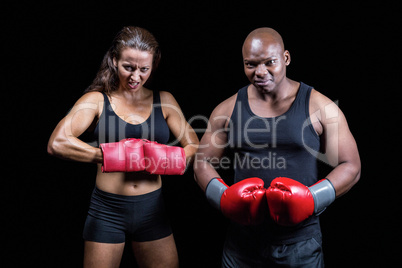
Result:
[131,155]
[163,159]
[124,156]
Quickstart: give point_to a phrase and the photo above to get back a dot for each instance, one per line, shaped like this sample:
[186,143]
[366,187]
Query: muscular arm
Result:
[64,142]
[338,143]
[180,128]
[213,143]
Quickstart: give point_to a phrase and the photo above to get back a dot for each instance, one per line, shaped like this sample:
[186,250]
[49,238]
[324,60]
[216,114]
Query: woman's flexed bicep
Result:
[64,142]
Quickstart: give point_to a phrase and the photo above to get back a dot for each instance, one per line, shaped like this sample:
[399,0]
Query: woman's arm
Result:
[178,125]
[64,142]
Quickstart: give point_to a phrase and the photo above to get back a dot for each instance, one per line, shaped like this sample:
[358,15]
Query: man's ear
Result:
[286,54]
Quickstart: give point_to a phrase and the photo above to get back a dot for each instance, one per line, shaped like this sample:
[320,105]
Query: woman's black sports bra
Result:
[111,128]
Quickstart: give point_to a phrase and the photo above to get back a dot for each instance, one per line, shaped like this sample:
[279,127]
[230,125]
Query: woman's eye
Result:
[144,69]
[128,68]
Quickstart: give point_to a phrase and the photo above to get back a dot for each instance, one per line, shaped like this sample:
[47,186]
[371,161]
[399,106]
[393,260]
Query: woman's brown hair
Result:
[106,79]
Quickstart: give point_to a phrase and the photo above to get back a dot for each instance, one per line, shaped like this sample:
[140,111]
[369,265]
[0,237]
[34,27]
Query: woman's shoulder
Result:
[92,96]
[167,98]
[90,100]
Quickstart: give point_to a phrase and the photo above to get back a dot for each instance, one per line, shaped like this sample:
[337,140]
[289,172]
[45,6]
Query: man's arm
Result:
[338,142]
[243,202]
[213,143]
[291,202]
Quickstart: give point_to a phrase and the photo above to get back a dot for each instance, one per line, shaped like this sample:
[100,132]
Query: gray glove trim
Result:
[214,192]
[323,194]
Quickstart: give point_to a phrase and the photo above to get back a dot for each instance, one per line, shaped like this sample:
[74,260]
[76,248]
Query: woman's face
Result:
[134,68]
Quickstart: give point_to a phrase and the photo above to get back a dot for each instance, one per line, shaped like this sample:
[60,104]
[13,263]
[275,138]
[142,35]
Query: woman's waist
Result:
[129,184]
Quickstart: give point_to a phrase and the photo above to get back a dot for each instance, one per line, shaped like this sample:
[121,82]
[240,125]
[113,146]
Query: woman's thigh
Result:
[99,255]
[156,253]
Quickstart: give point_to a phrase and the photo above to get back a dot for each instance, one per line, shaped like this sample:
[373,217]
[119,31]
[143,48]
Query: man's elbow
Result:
[355,173]
[358,174]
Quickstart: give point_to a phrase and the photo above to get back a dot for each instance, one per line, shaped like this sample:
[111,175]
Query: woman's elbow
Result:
[54,147]
[51,148]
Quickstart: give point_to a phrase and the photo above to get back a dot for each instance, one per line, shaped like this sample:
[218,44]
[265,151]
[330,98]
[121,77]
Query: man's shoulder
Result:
[318,100]
[225,108]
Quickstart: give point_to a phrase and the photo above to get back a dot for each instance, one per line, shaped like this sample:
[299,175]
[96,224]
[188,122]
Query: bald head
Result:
[264,35]
[265,59]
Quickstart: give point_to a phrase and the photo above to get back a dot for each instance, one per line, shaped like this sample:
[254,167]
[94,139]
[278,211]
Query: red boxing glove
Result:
[291,202]
[124,156]
[244,202]
[163,159]
[131,155]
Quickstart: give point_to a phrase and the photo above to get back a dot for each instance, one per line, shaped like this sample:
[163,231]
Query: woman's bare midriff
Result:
[129,184]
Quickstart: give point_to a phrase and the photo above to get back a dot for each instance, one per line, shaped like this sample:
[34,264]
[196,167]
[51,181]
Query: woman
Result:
[115,107]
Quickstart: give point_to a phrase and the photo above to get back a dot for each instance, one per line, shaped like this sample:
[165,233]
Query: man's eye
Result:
[271,62]
[249,65]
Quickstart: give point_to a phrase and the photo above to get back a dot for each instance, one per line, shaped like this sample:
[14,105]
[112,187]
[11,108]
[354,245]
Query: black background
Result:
[53,51]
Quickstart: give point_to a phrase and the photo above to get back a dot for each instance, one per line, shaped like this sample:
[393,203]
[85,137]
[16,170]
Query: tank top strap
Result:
[241,101]
[242,96]
[161,129]
[302,100]
[157,101]
[157,97]
[106,99]
[157,104]
[106,105]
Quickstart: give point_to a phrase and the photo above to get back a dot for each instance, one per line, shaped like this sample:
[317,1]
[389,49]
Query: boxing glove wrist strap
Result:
[323,194]
[214,191]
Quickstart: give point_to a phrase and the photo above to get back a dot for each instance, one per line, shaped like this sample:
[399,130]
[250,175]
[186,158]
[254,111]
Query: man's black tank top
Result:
[281,146]
[111,128]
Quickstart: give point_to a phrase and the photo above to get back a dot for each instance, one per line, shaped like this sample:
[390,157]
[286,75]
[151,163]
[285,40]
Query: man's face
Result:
[265,63]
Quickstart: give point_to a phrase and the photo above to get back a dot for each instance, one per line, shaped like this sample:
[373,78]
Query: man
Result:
[277,128]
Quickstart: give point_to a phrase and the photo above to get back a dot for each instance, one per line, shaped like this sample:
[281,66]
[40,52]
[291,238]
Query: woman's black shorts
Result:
[113,218]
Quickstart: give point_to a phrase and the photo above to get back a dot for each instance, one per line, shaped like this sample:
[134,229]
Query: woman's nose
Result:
[135,75]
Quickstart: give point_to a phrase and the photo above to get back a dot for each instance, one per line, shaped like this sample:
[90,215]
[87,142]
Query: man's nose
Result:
[261,70]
